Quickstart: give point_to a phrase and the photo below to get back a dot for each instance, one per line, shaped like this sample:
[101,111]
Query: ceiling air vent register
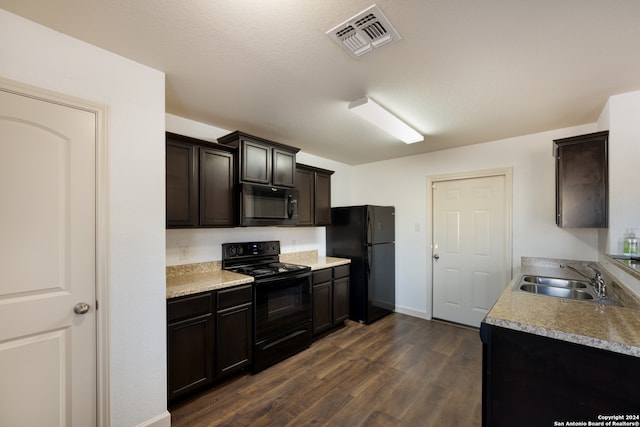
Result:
[364,32]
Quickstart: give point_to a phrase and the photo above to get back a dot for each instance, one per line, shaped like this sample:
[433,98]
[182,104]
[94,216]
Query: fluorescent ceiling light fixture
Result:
[369,110]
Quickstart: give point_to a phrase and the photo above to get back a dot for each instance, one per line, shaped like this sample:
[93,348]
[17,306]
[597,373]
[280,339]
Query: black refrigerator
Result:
[366,235]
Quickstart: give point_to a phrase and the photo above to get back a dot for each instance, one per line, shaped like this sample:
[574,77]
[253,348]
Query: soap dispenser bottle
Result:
[630,246]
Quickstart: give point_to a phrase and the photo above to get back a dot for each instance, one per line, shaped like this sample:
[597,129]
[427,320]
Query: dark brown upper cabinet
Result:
[200,179]
[582,181]
[314,195]
[181,184]
[261,161]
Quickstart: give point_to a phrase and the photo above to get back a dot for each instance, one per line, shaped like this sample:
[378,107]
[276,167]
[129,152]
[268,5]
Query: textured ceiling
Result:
[464,72]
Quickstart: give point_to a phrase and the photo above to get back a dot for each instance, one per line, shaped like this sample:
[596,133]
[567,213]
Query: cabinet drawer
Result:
[321,276]
[232,297]
[189,306]
[341,271]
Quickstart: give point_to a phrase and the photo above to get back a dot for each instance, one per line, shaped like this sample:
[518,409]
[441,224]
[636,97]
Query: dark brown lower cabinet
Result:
[208,338]
[341,294]
[531,380]
[330,292]
[322,292]
[234,348]
[190,344]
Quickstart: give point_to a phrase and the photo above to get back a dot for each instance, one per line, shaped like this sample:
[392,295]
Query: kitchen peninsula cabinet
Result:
[314,195]
[532,380]
[190,344]
[330,292]
[234,323]
[582,181]
[200,180]
[261,161]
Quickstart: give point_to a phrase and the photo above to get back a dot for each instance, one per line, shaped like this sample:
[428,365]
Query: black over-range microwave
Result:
[267,205]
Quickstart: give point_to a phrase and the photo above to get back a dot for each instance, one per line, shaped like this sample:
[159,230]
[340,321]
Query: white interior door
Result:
[47,263]
[470,268]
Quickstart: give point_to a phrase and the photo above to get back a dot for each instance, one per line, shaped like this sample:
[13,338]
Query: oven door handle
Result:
[269,280]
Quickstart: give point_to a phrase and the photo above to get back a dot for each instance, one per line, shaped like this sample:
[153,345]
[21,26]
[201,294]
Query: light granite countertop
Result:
[601,326]
[190,279]
[311,259]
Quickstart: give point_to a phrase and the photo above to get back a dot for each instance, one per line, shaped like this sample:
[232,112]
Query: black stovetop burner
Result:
[257,259]
[268,269]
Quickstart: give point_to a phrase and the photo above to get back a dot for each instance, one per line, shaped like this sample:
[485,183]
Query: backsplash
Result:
[298,257]
[199,245]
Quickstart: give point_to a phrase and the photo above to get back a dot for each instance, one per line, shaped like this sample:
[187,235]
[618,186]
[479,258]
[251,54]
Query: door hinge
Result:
[434,185]
[96,305]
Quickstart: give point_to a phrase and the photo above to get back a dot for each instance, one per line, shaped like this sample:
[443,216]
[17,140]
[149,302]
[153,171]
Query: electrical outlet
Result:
[184,252]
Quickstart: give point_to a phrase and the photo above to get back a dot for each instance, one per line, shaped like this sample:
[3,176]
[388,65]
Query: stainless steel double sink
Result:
[563,288]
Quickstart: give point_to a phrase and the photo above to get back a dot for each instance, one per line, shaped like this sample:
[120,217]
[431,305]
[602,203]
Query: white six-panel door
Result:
[47,263]
[469,265]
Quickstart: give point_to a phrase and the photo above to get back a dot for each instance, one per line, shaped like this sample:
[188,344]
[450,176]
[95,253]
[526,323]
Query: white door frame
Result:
[101,232]
[508,213]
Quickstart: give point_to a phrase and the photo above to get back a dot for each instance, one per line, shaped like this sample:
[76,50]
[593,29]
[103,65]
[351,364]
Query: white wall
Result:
[621,116]
[624,161]
[134,94]
[203,245]
[403,183]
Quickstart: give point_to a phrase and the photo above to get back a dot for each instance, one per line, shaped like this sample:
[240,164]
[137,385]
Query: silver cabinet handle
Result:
[81,308]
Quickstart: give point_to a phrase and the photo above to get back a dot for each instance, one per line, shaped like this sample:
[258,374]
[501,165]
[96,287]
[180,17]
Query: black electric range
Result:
[282,300]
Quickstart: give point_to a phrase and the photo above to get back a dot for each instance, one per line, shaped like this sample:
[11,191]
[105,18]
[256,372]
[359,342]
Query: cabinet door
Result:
[322,205]
[558,378]
[255,162]
[190,355]
[284,168]
[322,307]
[234,345]
[322,292]
[181,185]
[305,186]
[340,300]
[216,188]
[190,344]
[582,181]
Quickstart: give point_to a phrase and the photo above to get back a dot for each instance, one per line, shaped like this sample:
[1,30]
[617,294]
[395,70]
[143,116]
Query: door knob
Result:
[81,308]
[436,257]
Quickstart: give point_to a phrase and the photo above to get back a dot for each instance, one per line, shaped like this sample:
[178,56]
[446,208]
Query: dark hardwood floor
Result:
[398,371]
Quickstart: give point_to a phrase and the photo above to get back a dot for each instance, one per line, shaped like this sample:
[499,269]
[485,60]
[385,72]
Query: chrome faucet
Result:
[597,281]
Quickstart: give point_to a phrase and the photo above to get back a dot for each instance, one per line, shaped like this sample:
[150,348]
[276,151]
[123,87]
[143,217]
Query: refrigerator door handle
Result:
[368,260]
[369,228]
